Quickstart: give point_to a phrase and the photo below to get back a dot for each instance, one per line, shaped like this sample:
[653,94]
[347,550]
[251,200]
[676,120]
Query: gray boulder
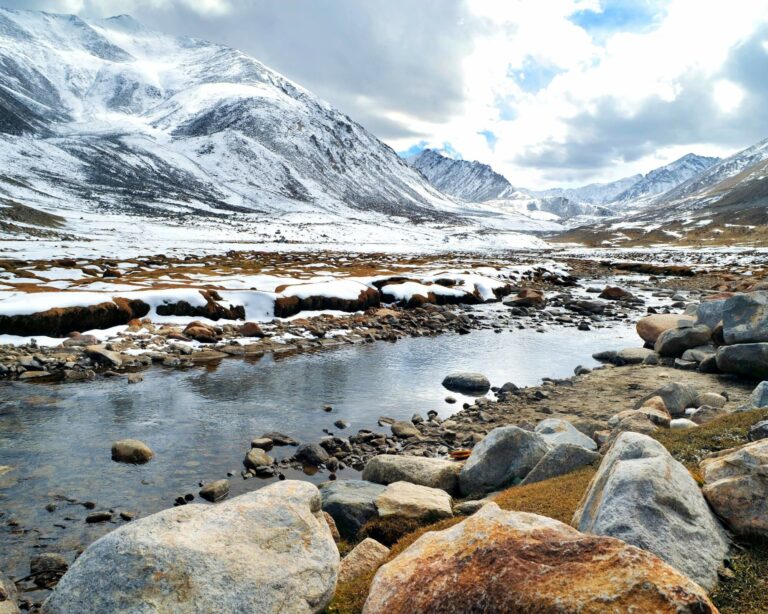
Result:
[404,429]
[8,596]
[646,498]
[745,318]
[758,431]
[471,382]
[675,341]
[267,551]
[710,313]
[311,454]
[556,431]
[699,354]
[677,398]
[504,456]
[563,458]
[351,503]
[632,356]
[406,500]
[759,396]
[749,359]
[432,472]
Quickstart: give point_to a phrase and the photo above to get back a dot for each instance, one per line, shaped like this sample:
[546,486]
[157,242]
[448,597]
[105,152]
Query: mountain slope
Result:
[105,119]
[665,178]
[469,181]
[593,193]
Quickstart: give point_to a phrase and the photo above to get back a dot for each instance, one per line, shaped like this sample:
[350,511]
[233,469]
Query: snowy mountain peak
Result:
[469,181]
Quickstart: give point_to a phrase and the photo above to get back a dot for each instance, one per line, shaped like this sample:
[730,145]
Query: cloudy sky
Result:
[549,92]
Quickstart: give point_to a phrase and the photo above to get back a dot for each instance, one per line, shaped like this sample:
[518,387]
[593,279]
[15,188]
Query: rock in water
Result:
[645,497]
[497,561]
[311,454]
[268,551]
[470,382]
[131,451]
[745,318]
[215,491]
[736,486]
[432,472]
[556,431]
[504,456]
[351,503]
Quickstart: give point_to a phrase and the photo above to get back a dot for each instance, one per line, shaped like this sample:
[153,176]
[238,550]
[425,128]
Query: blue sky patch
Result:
[620,16]
[534,76]
[490,138]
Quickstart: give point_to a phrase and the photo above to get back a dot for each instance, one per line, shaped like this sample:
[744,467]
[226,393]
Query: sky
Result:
[548,92]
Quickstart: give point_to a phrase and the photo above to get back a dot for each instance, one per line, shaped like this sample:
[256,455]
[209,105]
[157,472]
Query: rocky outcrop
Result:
[289,305]
[505,456]
[213,308]
[650,327]
[268,551]
[745,318]
[61,321]
[736,486]
[646,498]
[432,472]
[497,561]
[406,500]
[351,503]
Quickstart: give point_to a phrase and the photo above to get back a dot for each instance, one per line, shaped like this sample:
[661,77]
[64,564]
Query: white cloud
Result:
[728,95]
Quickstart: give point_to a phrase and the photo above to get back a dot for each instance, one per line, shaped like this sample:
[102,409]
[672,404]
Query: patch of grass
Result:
[747,591]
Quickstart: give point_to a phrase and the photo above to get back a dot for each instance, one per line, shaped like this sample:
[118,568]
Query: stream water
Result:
[199,422]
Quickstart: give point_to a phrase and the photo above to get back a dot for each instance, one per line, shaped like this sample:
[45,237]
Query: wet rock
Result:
[351,503]
[556,431]
[528,297]
[364,558]
[406,500]
[758,431]
[432,472]
[472,382]
[47,568]
[736,486]
[506,455]
[650,327]
[264,443]
[8,596]
[749,359]
[563,458]
[677,397]
[646,498]
[745,318]
[131,451]
[498,561]
[311,454]
[269,551]
[97,517]
[613,293]
[215,491]
[404,429]
[341,424]
[135,378]
[674,341]
[759,397]
[257,458]
[279,439]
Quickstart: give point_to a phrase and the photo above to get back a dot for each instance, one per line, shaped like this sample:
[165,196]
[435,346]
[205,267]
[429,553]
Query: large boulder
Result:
[759,397]
[504,456]
[677,397]
[561,459]
[351,503]
[556,431]
[131,451]
[646,498]
[736,486]
[710,313]
[745,318]
[749,359]
[650,327]
[467,382]
[675,341]
[432,472]
[497,561]
[758,431]
[266,551]
[406,500]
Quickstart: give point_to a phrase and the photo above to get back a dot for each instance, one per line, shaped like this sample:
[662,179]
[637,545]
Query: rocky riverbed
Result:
[587,411]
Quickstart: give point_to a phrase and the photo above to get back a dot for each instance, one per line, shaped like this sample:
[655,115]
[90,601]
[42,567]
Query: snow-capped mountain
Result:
[593,193]
[665,178]
[105,119]
[468,180]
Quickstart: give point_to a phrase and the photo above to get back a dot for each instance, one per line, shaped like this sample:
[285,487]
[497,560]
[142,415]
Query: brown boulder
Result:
[364,558]
[614,293]
[200,332]
[497,561]
[650,327]
[250,329]
[528,297]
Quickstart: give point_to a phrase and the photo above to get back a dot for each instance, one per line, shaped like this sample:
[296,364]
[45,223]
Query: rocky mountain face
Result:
[468,180]
[593,193]
[110,118]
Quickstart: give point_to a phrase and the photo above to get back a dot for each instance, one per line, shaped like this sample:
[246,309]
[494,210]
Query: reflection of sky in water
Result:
[200,421]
